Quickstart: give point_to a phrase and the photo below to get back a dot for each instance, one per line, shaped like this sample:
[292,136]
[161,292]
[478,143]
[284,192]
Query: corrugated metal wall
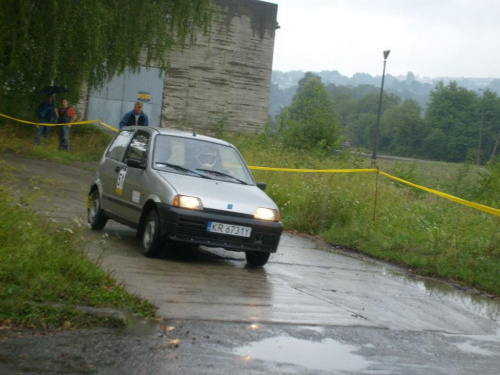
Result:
[120,95]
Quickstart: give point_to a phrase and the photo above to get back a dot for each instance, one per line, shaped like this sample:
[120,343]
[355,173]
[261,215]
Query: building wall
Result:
[224,78]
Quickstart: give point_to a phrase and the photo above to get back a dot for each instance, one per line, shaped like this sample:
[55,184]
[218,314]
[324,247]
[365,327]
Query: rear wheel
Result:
[257,258]
[96,217]
[151,239]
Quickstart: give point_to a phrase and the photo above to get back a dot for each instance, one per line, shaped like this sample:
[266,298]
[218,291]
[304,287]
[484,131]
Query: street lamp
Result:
[377,130]
[481,125]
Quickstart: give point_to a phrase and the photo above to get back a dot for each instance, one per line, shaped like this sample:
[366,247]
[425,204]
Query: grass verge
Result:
[46,279]
[87,143]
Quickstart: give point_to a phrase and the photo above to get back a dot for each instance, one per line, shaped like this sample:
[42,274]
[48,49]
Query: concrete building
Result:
[222,80]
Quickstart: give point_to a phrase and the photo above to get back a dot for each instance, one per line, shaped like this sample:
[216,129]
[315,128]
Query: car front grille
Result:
[196,231]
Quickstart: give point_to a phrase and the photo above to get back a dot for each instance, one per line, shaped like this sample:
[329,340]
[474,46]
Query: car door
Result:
[110,168]
[132,181]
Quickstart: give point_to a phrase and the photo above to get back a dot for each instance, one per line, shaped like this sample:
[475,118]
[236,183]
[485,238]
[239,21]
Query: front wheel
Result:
[257,258]
[96,217]
[151,239]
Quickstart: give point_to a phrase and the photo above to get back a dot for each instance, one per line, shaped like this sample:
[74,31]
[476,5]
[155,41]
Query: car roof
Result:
[184,134]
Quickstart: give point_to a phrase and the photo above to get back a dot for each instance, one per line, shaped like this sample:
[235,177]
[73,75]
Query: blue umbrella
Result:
[49,90]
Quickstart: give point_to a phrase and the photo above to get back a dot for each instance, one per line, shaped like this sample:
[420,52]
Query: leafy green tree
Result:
[490,127]
[453,122]
[310,121]
[67,42]
[346,99]
[361,129]
[403,130]
[362,121]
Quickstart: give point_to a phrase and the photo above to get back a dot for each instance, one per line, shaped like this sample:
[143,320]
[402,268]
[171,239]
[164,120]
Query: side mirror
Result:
[262,185]
[134,163]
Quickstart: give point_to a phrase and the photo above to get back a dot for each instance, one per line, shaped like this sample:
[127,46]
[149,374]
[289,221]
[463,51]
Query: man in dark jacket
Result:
[45,114]
[135,117]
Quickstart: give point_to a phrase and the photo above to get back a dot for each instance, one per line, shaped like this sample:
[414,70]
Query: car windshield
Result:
[200,158]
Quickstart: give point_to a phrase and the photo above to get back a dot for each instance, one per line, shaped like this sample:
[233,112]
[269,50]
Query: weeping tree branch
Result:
[69,42]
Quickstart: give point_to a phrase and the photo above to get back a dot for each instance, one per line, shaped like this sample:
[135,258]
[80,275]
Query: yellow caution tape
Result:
[312,170]
[108,126]
[15,119]
[477,206]
[68,123]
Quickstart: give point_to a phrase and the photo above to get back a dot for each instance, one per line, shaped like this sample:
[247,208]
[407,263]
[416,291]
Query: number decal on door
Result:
[120,181]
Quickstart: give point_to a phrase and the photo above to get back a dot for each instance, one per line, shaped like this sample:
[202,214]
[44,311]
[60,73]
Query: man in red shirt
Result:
[67,115]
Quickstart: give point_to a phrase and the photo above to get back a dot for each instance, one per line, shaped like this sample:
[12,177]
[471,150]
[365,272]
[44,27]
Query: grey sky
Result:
[431,38]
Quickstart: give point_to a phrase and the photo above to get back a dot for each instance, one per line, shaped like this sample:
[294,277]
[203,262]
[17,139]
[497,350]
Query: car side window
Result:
[117,148]
[138,148]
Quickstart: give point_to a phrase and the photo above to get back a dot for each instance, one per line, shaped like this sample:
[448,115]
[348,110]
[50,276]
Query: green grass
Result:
[428,234]
[87,143]
[45,275]
[451,178]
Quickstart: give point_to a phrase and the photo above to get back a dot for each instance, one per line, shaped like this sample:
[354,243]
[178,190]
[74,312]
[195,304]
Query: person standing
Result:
[67,116]
[46,114]
[135,116]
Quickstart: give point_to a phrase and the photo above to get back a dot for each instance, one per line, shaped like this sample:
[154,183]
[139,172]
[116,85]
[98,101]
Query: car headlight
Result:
[268,214]
[185,201]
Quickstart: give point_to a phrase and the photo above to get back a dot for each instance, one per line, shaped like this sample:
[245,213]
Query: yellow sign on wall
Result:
[144,96]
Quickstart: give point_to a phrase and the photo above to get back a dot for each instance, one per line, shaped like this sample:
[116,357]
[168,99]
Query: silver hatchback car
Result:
[174,186]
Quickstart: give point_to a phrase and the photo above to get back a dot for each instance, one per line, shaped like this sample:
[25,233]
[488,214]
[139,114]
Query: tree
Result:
[67,42]
[310,122]
[362,122]
[489,115]
[453,118]
[343,100]
[403,129]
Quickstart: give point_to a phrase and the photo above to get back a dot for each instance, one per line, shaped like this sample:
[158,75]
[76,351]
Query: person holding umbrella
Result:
[46,113]
[67,116]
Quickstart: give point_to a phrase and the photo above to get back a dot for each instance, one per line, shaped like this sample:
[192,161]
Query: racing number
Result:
[120,181]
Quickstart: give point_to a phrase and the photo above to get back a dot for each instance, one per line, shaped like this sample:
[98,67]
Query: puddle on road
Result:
[476,304]
[329,355]
[467,347]
[143,327]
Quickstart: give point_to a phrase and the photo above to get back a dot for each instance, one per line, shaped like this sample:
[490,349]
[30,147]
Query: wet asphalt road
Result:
[312,309]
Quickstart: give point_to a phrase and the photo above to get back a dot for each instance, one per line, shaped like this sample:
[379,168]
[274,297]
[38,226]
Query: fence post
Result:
[375,198]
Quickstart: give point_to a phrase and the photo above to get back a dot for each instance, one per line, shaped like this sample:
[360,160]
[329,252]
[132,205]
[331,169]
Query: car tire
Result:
[257,258]
[151,238]
[95,216]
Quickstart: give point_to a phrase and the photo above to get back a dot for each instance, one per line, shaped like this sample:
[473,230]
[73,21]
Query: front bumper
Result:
[190,226]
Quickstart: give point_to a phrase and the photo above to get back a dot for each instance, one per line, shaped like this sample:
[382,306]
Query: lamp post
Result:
[492,157]
[481,124]
[377,130]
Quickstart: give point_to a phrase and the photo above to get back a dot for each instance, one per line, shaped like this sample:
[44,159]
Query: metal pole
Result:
[375,199]
[377,130]
[495,148]
[478,155]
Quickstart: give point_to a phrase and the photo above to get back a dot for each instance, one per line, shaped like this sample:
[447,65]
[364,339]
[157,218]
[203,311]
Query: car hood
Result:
[220,195]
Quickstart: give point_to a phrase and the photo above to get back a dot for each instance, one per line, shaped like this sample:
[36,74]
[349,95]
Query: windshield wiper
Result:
[222,174]
[182,169]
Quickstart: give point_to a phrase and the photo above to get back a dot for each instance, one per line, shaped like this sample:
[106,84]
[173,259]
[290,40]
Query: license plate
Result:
[230,229]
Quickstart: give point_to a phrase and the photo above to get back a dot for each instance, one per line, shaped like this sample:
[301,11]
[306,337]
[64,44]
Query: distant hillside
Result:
[284,85]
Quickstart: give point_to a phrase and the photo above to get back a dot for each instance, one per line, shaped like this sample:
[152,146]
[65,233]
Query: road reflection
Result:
[476,304]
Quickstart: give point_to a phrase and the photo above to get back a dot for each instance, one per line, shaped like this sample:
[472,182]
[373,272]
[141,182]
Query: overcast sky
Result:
[431,38]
